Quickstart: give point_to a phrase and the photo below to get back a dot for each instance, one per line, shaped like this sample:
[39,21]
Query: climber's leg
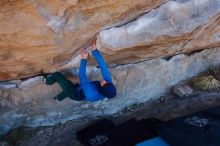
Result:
[49,79]
[60,96]
[77,93]
[64,83]
[69,89]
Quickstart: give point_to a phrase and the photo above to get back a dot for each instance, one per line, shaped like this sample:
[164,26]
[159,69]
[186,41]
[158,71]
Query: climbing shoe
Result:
[59,98]
[45,79]
[49,79]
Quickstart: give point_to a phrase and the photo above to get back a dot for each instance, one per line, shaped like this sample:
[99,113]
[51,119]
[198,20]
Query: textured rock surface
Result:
[182,90]
[40,36]
[175,27]
[32,104]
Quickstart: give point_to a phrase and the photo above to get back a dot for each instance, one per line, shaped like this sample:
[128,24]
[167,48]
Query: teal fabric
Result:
[50,79]
[157,141]
[69,89]
[60,96]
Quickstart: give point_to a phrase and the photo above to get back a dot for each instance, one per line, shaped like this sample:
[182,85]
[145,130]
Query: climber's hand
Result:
[84,54]
[93,46]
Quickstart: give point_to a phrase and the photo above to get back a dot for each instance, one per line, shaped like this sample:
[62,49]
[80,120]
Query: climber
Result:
[86,90]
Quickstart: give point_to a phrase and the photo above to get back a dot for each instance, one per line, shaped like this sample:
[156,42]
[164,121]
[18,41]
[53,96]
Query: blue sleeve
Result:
[103,66]
[82,72]
[90,92]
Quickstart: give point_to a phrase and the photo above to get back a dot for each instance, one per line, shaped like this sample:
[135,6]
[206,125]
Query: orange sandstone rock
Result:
[40,36]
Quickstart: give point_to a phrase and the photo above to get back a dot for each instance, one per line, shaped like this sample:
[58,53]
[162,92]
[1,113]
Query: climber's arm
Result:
[82,70]
[102,64]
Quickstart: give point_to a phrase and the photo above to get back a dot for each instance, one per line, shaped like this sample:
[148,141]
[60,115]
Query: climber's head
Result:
[107,89]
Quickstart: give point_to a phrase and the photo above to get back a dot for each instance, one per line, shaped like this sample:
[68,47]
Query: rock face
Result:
[174,27]
[150,46]
[32,104]
[40,36]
